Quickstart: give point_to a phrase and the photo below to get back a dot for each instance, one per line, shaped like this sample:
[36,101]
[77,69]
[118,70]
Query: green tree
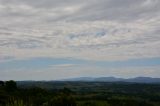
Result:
[1,83]
[10,86]
[3,97]
[63,100]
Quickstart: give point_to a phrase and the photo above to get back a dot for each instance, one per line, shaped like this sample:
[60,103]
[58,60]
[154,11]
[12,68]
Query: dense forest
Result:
[63,93]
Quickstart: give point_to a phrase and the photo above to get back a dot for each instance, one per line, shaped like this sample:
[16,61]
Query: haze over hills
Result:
[114,79]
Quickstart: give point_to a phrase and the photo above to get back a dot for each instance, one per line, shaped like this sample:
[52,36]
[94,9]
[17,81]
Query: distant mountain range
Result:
[113,79]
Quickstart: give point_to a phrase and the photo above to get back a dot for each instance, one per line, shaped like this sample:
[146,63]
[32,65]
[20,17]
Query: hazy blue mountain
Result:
[110,79]
[113,79]
[144,80]
[80,79]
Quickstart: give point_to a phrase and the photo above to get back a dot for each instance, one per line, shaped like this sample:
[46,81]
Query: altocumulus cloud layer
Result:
[99,30]
[83,29]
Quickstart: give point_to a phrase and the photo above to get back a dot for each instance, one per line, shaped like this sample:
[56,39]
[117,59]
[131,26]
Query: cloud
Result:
[63,66]
[107,30]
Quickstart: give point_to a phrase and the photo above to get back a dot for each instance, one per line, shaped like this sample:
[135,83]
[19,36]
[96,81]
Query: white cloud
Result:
[63,66]
[94,30]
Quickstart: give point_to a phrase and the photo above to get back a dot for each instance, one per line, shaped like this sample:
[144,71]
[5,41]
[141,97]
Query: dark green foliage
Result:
[10,86]
[128,102]
[79,94]
[16,102]
[93,103]
[66,91]
[62,100]
[3,97]
[1,83]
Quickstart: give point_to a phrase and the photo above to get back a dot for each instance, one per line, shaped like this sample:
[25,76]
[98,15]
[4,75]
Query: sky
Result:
[59,39]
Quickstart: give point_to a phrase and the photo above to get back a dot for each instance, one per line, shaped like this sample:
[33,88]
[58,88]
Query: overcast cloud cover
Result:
[88,30]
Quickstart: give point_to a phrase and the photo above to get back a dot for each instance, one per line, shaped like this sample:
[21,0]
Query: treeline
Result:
[79,94]
[11,95]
